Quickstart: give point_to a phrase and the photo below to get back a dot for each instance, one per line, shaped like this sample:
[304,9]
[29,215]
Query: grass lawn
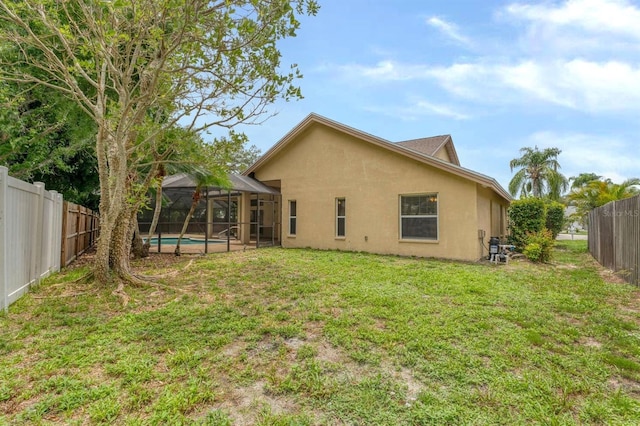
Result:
[279,337]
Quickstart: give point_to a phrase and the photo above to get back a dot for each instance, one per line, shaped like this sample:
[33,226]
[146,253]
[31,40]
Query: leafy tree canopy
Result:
[598,192]
[138,68]
[46,137]
[244,159]
[582,179]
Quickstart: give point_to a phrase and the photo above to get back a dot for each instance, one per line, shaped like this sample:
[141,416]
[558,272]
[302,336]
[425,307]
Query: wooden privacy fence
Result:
[79,231]
[614,237]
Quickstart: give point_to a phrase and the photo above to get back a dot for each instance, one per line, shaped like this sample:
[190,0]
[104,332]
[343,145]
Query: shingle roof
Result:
[432,145]
[427,146]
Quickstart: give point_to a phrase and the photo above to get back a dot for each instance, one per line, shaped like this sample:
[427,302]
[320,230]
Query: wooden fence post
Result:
[635,236]
[77,245]
[612,246]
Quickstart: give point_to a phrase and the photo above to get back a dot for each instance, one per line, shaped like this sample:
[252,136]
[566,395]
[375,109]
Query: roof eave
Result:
[459,171]
[423,158]
[451,150]
[280,144]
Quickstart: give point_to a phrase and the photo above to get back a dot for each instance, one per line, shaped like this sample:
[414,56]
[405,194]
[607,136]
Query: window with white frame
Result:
[419,217]
[341,217]
[293,218]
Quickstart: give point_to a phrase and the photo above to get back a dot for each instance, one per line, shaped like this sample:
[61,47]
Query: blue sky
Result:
[496,75]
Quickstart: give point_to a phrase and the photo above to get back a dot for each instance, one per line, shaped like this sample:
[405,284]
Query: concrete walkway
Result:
[572,237]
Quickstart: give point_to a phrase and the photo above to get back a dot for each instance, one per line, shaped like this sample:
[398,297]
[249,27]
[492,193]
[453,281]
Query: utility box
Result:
[494,248]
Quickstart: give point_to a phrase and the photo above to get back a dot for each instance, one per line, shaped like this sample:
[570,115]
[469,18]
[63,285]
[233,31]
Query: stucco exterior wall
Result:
[443,154]
[492,215]
[323,164]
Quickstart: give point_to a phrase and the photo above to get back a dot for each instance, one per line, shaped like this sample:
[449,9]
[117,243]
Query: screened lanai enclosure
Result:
[247,215]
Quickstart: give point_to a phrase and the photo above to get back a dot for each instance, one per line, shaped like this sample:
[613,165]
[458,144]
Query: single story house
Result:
[344,189]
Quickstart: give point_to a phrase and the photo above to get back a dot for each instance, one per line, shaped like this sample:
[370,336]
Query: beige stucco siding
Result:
[323,164]
[443,154]
[492,214]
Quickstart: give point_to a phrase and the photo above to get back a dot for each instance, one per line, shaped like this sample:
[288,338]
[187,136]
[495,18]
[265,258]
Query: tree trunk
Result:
[115,217]
[120,250]
[101,269]
[139,249]
[112,198]
[156,216]
[194,204]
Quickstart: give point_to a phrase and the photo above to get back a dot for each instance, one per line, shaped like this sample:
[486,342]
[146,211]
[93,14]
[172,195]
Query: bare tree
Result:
[137,67]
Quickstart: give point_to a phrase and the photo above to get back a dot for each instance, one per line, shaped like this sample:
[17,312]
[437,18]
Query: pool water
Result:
[184,241]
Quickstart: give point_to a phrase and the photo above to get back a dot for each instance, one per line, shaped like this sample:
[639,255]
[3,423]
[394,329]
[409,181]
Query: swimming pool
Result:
[184,241]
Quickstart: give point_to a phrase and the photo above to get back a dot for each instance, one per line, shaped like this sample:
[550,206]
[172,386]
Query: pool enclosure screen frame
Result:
[247,215]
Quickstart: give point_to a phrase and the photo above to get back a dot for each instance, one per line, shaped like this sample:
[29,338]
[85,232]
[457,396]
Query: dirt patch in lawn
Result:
[334,355]
[243,403]
[628,385]
[609,276]
[154,261]
[591,343]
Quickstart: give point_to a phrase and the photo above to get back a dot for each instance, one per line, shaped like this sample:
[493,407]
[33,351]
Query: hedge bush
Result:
[539,246]
[526,216]
[555,217]
[533,252]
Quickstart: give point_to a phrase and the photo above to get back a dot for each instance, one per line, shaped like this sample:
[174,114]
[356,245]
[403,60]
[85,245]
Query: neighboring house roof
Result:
[414,154]
[238,183]
[432,145]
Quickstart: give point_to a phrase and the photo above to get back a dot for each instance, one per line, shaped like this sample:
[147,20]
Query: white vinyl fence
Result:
[30,235]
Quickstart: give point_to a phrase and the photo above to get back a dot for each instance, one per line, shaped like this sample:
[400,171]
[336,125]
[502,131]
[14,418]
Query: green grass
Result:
[304,337]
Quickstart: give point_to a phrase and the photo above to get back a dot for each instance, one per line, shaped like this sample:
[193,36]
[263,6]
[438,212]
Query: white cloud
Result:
[578,54]
[577,27]
[418,109]
[584,153]
[615,17]
[449,29]
[423,107]
[578,84]
[386,71]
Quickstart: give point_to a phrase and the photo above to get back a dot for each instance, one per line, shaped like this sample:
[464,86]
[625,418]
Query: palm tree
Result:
[538,175]
[600,192]
[156,211]
[179,151]
[582,179]
[203,178]
[207,164]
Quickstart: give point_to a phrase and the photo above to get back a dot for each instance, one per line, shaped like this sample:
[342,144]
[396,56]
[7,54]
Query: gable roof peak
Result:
[431,145]
[452,166]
